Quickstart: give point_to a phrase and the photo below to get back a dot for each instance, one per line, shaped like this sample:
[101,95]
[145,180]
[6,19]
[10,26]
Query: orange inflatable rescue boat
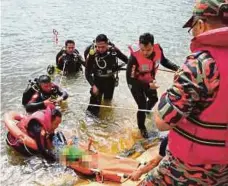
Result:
[17,124]
[11,121]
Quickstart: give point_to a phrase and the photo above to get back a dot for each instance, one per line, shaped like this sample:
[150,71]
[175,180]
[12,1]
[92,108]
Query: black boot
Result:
[144,133]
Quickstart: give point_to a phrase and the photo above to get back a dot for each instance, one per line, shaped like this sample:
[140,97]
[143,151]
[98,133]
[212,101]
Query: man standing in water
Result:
[68,59]
[195,109]
[101,68]
[141,70]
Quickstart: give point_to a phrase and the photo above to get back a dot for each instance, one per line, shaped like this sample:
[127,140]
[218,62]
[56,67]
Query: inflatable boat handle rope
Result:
[124,177]
[27,148]
[21,139]
[100,177]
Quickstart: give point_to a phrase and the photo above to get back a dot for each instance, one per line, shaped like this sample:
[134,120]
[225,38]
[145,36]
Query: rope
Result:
[164,70]
[64,66]
[19,140]
[27,148]
[98,63]
[170,71]
[12,144]
[88,85]
[106,106]
[55,32]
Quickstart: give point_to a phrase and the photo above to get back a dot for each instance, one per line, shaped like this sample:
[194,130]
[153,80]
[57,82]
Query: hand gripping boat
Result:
[16,124]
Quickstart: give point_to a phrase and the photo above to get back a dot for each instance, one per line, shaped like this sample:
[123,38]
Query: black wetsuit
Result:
[73,62]
[145,97]
[34,131]
[37,103]
[86,52]
[103,78]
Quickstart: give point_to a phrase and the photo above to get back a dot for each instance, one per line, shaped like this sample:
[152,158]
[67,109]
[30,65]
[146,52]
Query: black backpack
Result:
[31,89]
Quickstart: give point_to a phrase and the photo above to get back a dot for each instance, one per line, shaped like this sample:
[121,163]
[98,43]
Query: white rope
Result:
[106,106]
[88,85]
[27,148]
[12,144]
[164,70]
[98,63]
[19,140]
[64,66]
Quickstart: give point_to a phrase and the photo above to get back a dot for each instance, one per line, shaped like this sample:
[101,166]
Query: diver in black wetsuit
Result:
[91,48]
[68,59]
[101,70]
[41,94]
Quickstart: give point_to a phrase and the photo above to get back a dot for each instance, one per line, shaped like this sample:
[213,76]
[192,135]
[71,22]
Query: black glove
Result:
[49,156]
[61,137]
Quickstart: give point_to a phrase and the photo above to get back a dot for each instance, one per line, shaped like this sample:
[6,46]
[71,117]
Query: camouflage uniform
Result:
[194,89]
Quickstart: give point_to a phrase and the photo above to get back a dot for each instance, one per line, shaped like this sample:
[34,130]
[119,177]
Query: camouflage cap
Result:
[207,8]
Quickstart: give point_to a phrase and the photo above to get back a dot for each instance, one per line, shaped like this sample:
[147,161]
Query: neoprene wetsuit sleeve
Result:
[121,56]
[81,60]
[130,64]
[89,70]
[35,129]
[59,65]
[32,107]
[167,63]
[62,92]
[132,80]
